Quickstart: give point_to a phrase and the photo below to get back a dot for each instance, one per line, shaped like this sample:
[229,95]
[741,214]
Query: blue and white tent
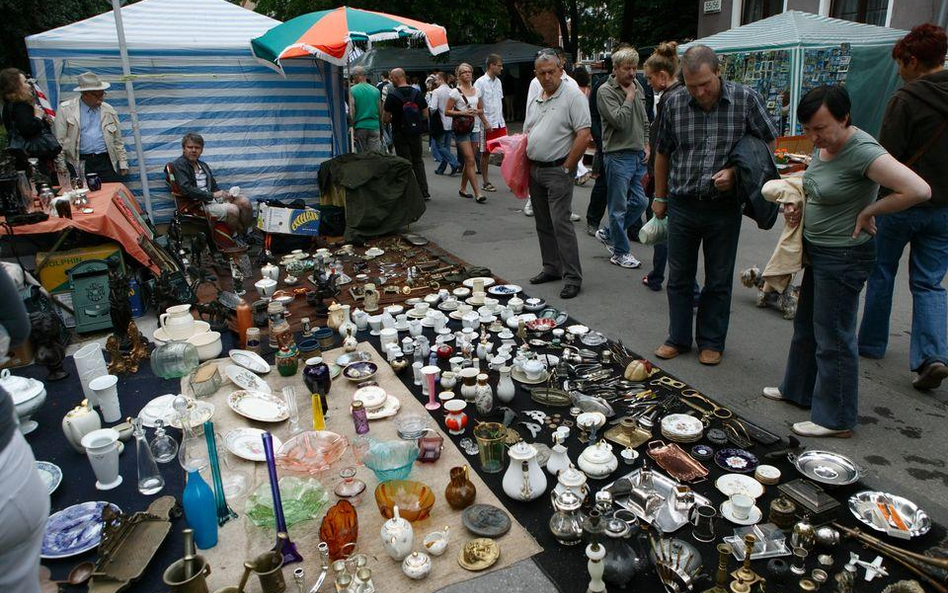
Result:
[192,70]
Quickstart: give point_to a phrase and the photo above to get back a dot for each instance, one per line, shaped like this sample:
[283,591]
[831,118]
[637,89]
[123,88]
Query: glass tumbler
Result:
[491,437]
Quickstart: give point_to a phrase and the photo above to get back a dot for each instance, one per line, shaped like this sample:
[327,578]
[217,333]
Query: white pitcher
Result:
[524,480]
[177,322]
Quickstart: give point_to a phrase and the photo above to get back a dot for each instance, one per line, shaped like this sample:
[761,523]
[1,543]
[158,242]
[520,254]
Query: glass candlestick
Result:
[163,447]
[287,547]
[224,512]
[289,394]
[149,478]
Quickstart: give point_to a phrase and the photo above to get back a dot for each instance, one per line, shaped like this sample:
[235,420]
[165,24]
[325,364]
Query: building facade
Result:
[719,15]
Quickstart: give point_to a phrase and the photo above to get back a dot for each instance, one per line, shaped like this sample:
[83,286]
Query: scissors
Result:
[695,400]
[668,382]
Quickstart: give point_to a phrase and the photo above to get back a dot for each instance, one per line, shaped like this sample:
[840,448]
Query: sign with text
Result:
[712,6]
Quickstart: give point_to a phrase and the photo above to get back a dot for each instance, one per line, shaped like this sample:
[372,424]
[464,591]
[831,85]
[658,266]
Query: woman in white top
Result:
[464,104]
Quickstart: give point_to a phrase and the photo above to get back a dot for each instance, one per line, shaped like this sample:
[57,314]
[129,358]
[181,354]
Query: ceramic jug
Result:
[559,458]
[371,298]
[79,422]
[460,492]
[335,316]
[361,319]
[397,536]
[505,387]
[524,480]
[177,322]
[346,326]
[469,386]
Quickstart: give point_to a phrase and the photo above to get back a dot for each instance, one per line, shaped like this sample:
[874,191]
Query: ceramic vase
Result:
[483,396]
[524,480]
[469,383]
[456,419]
[340,529]
[335,317]
[346,326]
[371,299]
[460,492]
[102,448]
[505,387]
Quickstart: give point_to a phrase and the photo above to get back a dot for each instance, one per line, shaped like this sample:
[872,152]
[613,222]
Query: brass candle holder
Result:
[745,574]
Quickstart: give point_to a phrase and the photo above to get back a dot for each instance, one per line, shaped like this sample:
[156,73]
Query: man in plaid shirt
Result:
[694,186]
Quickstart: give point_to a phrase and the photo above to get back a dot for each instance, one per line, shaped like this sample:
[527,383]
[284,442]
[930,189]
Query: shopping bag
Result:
[654,231]
[516,168]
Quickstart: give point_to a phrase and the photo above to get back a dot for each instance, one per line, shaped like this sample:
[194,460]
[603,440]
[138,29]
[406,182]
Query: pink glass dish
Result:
[312,451]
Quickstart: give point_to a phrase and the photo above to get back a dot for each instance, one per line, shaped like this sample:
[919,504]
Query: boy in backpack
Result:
[406,110]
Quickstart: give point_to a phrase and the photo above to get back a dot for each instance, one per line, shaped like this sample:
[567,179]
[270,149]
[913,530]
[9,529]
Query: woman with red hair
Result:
[915,131]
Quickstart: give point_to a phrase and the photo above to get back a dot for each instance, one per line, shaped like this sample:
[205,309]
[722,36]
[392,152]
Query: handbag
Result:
[463,124]
[42,146]
[435,124]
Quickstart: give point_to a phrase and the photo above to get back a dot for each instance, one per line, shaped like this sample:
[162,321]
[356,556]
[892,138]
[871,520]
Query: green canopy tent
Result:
[413,60]
[788,54]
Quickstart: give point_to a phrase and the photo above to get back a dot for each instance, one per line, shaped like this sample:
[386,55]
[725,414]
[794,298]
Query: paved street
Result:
[900,440]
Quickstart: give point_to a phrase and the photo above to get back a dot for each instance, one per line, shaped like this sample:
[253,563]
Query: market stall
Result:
[786,55]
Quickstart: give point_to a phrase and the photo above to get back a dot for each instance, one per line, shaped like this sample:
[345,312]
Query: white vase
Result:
[505,388]
[347,326]
[483,396]
[559,459]
[102,448]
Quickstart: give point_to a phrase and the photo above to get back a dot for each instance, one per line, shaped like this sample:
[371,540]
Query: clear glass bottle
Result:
[289,394]
[149,478]
[192,454]
[163,447]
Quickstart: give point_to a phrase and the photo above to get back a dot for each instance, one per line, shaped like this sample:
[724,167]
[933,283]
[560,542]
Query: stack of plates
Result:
[682,428]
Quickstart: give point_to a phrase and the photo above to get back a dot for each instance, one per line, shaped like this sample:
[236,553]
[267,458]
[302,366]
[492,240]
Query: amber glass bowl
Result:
[413,499]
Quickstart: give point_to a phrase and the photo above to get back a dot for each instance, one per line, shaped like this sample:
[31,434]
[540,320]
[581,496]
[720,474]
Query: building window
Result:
[871,12]
[755,10]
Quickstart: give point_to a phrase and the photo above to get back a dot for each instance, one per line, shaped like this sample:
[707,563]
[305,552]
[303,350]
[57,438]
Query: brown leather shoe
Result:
[667,351]
[709,357]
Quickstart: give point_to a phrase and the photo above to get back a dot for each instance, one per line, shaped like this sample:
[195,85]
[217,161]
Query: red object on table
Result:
[110,218]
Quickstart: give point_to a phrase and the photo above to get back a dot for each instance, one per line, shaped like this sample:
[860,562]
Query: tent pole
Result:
[942,18]
[130,92]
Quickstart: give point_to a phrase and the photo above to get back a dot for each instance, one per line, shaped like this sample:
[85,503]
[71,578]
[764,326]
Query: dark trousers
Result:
[823,364]
[714,227]
[101,163]
[409,148]
[551,192]
[599,195]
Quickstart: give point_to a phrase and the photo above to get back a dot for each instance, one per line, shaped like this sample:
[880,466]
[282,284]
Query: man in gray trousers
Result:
[557,128]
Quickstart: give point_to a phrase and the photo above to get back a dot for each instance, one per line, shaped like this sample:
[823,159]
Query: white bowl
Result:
[200,327]
[208,345]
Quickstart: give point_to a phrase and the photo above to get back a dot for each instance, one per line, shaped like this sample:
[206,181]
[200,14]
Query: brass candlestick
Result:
[745,573]
[721,579]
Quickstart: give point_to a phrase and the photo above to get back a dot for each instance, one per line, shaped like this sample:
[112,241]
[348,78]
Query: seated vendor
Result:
[196,183]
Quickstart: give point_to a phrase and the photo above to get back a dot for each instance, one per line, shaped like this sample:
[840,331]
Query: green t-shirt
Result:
[366,98]
[837,190]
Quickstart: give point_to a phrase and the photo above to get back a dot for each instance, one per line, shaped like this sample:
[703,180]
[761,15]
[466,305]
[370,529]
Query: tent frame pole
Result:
[130,92]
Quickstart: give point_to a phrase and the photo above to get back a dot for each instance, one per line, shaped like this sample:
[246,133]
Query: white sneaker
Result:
[602,236]
[575,217]
[625,261]
[773,393]
[812,429]
[528,208]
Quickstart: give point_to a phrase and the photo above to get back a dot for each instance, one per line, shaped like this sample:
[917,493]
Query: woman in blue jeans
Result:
[838,218]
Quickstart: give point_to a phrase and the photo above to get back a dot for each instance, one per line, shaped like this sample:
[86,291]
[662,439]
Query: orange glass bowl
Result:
[312,451]
[413,499]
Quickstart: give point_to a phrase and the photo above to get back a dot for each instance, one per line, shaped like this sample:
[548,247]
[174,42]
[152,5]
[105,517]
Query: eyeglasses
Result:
[547,51]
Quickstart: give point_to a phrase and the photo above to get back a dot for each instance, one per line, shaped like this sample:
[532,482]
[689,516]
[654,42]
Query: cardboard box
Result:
[288,221]
[54,277]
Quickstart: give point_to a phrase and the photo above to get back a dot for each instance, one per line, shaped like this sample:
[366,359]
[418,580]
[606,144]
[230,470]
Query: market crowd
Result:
[851,214]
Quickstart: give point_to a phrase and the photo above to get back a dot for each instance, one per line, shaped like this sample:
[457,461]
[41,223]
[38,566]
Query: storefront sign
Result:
[712,6]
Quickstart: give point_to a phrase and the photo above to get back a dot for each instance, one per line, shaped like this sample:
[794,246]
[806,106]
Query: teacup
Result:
[450,303]
[421,308]
[464,309]
[741,506]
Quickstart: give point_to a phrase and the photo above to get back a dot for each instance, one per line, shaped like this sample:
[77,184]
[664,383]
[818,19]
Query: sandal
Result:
[464,195]
[480,199]
[488,187]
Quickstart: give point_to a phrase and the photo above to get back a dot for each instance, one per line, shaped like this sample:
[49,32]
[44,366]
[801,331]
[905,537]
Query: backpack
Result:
[413,123]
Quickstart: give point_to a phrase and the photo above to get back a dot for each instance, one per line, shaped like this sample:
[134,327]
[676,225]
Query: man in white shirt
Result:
[492,100]
[439,98]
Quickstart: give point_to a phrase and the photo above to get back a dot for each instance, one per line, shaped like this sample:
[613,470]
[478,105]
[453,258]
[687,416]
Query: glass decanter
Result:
[351,487]
[163,447]
[192,454]
[149,478]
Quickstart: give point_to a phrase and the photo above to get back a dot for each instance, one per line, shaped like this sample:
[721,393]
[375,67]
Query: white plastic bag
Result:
[654,231]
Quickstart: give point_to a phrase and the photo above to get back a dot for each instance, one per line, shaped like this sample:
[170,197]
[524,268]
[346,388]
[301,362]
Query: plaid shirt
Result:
[699,143]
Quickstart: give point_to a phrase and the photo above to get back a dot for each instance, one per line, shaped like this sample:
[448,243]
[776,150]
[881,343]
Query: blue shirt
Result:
[91,140]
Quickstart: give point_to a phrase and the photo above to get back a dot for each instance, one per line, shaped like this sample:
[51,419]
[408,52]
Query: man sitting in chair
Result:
[196,185]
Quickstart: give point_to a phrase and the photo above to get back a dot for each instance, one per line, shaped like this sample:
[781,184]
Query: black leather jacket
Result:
[187,183]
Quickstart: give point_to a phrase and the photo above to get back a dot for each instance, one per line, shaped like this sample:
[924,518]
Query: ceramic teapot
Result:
[524,480]
[598,460]
[573,480]
[79,422]
[177,322]
[416,565]
[270,271]
[397,537]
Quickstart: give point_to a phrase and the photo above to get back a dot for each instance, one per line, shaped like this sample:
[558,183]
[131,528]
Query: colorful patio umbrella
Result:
[328,34]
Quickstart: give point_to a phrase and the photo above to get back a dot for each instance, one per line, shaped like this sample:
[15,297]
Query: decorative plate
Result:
[258,405]
[730,484]
[74,530]
[372,396]
[681,426]
[245,442]
[504,290]
[387,410]
[51,475]
[245,379]
[485,520]
[736,460]
[702,452]
[201,411]
[334,371]
[250,360]
[155,409]
[826,467]
[864,505]
[488,281]
[351,357]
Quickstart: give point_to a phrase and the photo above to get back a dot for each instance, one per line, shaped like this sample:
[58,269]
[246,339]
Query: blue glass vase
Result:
[200,511]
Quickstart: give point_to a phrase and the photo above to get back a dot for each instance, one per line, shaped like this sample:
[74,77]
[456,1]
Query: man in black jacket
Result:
[196,184]
[915,131]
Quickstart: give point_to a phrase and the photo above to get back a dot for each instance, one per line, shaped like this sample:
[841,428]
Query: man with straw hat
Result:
[89,131]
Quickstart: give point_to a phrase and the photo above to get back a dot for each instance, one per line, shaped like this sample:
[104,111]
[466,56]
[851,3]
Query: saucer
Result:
[416,314]
[456,315]
[504,290]
[488,281]
[461,292]
[753,517]
[401,326]
[521,377]
[475,301]
[448,306]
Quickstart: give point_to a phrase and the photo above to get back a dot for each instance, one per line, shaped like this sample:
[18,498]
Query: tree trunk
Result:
[626,32]
[566,32]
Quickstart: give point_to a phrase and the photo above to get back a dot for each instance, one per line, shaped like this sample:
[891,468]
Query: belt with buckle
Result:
[548,164]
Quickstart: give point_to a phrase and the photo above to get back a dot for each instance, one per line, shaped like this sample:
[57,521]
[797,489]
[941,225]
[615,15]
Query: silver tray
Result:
[861,503]
[826,467]
[667,519]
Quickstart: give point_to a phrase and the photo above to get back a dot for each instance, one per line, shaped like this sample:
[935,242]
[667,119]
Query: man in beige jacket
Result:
[89,131]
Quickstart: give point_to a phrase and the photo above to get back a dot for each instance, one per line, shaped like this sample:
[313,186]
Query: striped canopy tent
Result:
[872,75]
[329,35]
[193,71]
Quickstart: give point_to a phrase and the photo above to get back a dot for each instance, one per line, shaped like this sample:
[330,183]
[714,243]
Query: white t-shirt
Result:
[439,99]
[472,103]
[492,91]
[200,178]
[536,89]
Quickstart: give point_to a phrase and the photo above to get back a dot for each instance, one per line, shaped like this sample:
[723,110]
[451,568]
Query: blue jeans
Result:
[823,364]
[926,229]
[715,227]
[625,195]
[442,152]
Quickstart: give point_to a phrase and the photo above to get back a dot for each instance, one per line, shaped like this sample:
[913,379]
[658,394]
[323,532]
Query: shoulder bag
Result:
[42,146]
[463,124]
